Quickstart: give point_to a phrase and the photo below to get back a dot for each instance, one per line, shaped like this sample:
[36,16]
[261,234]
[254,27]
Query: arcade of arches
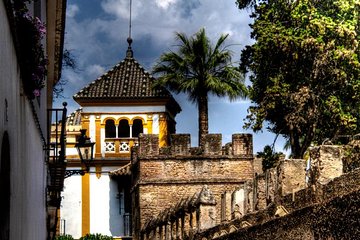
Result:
[123,129]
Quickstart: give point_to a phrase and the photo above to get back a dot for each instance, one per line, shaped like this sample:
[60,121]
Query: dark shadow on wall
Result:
[5,188]
[120,210]
[115,221]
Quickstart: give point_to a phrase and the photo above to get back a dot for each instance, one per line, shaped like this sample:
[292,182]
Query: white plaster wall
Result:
[155,124]
[71,151]
[118,116]
[125,109]
[92,131]
[104,205]
[27,158]
[71,206]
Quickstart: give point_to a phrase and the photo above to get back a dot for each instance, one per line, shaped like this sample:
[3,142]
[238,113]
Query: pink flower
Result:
[36,93]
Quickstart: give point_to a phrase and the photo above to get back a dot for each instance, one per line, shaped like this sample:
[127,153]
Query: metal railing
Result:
[127,224]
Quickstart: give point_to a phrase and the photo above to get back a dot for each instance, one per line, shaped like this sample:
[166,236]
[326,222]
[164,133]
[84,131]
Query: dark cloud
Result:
[97,32]
[187,8]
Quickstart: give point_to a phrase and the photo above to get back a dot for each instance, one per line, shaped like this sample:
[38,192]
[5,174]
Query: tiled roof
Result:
[123,171]
[125,81]
[74,118]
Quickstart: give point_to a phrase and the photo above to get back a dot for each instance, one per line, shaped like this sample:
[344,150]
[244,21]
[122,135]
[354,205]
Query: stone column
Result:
[168,231]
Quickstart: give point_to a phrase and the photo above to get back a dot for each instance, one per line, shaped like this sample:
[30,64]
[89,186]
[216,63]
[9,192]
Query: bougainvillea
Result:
[30,32]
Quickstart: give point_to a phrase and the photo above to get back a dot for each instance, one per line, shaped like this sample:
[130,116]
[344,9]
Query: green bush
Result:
[97,236]
[64,237]
[270,158]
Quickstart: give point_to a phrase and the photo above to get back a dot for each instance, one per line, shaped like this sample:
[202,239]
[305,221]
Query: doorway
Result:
[5,188]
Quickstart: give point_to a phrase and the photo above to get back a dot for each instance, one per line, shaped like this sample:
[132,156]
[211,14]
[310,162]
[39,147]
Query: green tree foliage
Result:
[304,68]
[64,237]
[198,68]
[269,157]
[96,236]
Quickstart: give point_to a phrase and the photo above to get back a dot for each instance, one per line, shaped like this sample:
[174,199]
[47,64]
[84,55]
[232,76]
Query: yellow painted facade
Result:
[100,125]
[163,131]
[85,206]
[98,140]
[103,113]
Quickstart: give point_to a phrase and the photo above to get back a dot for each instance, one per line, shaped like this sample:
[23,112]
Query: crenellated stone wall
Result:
[164,176]
[239,196]
[326,164]
[299,200]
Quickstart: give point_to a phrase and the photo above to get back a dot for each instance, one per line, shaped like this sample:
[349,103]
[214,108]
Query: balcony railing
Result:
[119,145]
[127,224]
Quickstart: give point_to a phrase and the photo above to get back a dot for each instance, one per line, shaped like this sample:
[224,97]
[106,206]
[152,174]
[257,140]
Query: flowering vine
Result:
[30,31]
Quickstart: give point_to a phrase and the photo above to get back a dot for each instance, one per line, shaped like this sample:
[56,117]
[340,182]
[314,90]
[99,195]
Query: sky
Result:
[96,33]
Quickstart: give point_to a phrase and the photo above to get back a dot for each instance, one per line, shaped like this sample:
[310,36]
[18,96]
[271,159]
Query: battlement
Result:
[180,145]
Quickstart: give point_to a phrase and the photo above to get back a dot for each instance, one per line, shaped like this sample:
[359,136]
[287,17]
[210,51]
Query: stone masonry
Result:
[163,177]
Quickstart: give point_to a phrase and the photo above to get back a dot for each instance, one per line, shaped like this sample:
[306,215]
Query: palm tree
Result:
[197,69]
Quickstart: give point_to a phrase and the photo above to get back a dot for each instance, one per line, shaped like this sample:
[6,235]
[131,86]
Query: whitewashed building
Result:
[115,109]
[29,34]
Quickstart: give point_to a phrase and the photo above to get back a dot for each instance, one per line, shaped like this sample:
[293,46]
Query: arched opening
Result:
[110,129]
[124,128]
[137,127]
[5,188]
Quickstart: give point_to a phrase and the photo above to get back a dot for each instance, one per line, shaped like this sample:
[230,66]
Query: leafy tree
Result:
[304,68]
[68,62]
[269,157]
[198,68]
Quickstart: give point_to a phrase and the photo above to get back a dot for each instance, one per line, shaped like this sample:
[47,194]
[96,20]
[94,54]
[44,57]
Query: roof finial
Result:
[129,52]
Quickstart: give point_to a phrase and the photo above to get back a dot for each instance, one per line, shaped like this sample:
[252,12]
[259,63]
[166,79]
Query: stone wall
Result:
[327,212]
[287,177]
[326,164]
[162,177]
[297,199]
[290,206]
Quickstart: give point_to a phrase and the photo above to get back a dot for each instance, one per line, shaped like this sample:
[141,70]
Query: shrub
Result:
[64,237]
[96,236]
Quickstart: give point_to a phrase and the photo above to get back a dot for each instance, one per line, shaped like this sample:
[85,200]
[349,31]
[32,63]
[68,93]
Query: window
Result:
[124,128]
[137,127]
[110,129]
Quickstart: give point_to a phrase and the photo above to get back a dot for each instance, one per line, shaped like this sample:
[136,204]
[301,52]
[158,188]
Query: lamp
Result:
[85,150]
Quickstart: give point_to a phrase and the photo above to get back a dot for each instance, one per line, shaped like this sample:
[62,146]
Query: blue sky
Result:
[96,33]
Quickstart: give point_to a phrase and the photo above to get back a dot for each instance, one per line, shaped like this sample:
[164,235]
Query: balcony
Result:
[119,146]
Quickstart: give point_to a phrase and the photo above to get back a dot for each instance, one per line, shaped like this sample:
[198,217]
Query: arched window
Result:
[110,129]
[124,128]
[5,188]
[137,127]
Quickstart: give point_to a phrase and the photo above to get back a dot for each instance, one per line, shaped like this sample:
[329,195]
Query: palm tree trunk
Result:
[203,119]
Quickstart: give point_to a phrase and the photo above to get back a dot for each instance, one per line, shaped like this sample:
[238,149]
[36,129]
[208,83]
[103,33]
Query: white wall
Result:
[125,109]
[27,158]
[71,206]
[104,205]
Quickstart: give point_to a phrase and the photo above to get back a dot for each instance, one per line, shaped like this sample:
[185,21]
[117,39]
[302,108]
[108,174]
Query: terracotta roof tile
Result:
[74,118]
[123,171]
[126,80]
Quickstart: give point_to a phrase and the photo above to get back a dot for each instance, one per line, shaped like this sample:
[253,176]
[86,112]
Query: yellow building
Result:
[115,109]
